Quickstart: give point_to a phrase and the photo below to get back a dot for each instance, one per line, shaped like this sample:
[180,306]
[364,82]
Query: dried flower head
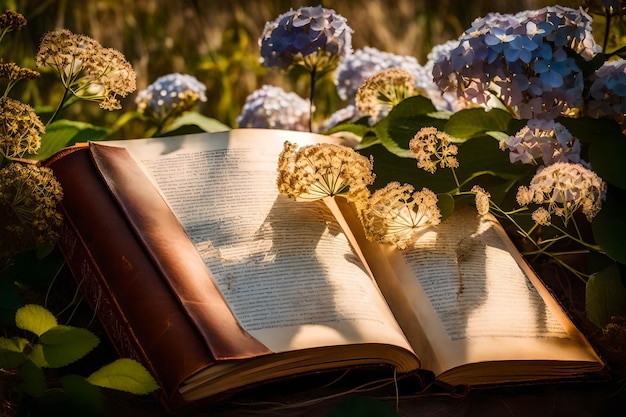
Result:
[11,21]
[356,67]
[170,96]
[396,215]
[13,73]
[87,70]
[565,188]
[29,196]
[20,129]
[323,170]
[482,199]
[313,37]
[383,90]
[432,147]
[271,107]
[541,216]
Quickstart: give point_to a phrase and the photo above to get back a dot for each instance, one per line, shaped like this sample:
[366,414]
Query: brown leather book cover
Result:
[139,271]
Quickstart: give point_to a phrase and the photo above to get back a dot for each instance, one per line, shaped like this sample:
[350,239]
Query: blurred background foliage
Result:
[217,42]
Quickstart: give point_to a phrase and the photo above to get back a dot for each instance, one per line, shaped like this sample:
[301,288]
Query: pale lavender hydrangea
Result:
[343,115]
[271,107]
[522,59]
[171,95]
[607,94]
[314,37]
[547,140]
[355,68]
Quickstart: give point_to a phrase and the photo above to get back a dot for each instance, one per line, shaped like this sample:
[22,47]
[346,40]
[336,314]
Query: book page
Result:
[285,268]
[476,303]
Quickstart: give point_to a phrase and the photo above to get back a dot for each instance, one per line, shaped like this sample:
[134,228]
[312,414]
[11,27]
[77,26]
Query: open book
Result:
[199,268]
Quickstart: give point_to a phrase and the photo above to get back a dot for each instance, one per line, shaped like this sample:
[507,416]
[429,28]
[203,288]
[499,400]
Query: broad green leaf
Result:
[468,123]
[355,128]
[35,318]
[605,296]
[184,125]
[481,155]
[124,375]
[404,121]
[11,352]
[446,205]
[391,143]
[36,356]
[609,225]
[63,345]
[63,133]
[33,379]
[82,396]
[389,167]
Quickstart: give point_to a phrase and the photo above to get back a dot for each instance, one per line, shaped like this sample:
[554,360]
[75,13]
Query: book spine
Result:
[98,295]
[137,310]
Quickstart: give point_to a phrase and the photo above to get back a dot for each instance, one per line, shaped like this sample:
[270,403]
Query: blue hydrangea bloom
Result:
[271,107]
[607,94]
[170,95]
[314,37]
[521,59]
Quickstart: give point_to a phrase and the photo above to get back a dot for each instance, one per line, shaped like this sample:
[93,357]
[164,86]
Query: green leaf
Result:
[605,296]
[12,352]
[609,225]
[185,123]
[356,128]
[446,205]
[35,318]
[404,121]
[468,123]
[33,379]
[63,345]
[37,357]
[481,155]
[124,375]
[63,133]
[83,398]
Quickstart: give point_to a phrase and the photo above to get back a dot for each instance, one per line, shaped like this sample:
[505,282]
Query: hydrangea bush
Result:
[522,115]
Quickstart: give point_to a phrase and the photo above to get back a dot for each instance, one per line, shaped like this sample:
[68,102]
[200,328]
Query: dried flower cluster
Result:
[11,21]
[356,67]
[482,199]
[29,196]
[381,91]
[565,188]
[13,73]
[20,129]
[397,215]
[170,96]
[314,172]
[431,148]
[87,70]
